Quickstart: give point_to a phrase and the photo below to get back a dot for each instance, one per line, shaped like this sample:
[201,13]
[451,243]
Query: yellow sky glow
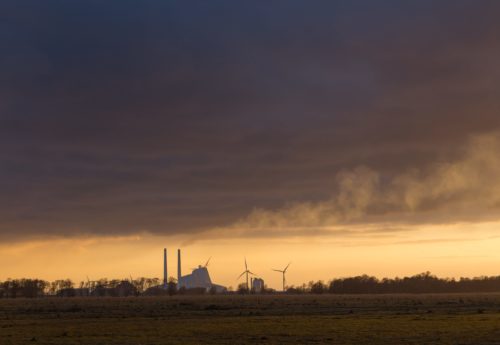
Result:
[445,250]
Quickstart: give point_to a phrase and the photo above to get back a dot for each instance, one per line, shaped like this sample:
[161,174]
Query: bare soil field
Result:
[268,319]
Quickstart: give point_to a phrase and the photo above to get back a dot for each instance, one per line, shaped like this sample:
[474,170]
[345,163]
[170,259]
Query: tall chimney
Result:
[179,267]
[165,275]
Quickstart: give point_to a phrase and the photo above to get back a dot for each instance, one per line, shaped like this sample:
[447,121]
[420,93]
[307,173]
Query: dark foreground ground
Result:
[325,319]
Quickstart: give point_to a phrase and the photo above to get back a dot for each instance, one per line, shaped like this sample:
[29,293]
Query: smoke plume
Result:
[464,189]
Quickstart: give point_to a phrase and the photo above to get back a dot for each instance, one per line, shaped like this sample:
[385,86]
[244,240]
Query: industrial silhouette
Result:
[257,285]
[199,278]
[283,272]
[247,272]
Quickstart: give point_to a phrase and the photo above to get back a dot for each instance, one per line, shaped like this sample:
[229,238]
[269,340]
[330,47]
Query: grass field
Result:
[308,319]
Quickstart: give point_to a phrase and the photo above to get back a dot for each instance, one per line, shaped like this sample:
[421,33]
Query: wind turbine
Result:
[283,272]
[208,261]
[204,266]
[247,272]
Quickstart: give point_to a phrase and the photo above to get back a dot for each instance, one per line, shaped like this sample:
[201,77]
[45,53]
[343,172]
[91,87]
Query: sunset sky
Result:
[346,137]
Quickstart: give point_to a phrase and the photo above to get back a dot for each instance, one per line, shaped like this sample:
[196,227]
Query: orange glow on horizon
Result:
[445,250]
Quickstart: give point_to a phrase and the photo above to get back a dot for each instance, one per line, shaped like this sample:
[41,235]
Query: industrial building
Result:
[199,277]
[257,285]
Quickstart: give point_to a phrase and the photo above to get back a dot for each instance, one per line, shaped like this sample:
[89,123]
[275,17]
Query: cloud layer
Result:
[467,189]
[176,118]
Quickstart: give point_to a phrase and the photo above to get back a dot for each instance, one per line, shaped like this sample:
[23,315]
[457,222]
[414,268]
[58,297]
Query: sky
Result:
[346,137]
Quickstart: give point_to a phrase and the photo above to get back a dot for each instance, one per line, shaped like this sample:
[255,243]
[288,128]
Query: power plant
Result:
[198,279]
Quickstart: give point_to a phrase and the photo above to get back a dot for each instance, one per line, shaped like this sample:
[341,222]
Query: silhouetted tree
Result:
[57,285]
[150,282]
[140,284]
[13,287]
[317,287]
[172,286]
[420,283]
[296,290]
[32,287]
[243,289]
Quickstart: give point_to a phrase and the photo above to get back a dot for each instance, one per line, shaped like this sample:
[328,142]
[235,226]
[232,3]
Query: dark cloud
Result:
[174,117]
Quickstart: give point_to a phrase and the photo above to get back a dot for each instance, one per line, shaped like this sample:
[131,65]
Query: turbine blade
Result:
[241,275]
[208,261]
[246,267]
[278,270]
[286,267]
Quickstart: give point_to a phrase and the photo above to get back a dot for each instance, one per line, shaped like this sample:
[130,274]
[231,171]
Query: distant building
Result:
[257,285]
[199,278]
[197,282]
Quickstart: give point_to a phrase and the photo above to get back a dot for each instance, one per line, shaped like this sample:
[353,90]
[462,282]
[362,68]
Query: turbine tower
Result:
[247,272]
[179,274]
[165,274]
[283,272]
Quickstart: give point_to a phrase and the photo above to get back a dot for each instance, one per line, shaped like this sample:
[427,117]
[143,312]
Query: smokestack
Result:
[178,267]
[165,275]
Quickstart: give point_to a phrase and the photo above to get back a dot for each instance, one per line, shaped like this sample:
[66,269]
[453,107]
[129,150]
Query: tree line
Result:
[419,283]
[31,288]
[364,284]
[102,287]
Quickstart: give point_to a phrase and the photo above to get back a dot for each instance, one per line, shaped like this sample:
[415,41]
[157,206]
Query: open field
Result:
[308,319]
